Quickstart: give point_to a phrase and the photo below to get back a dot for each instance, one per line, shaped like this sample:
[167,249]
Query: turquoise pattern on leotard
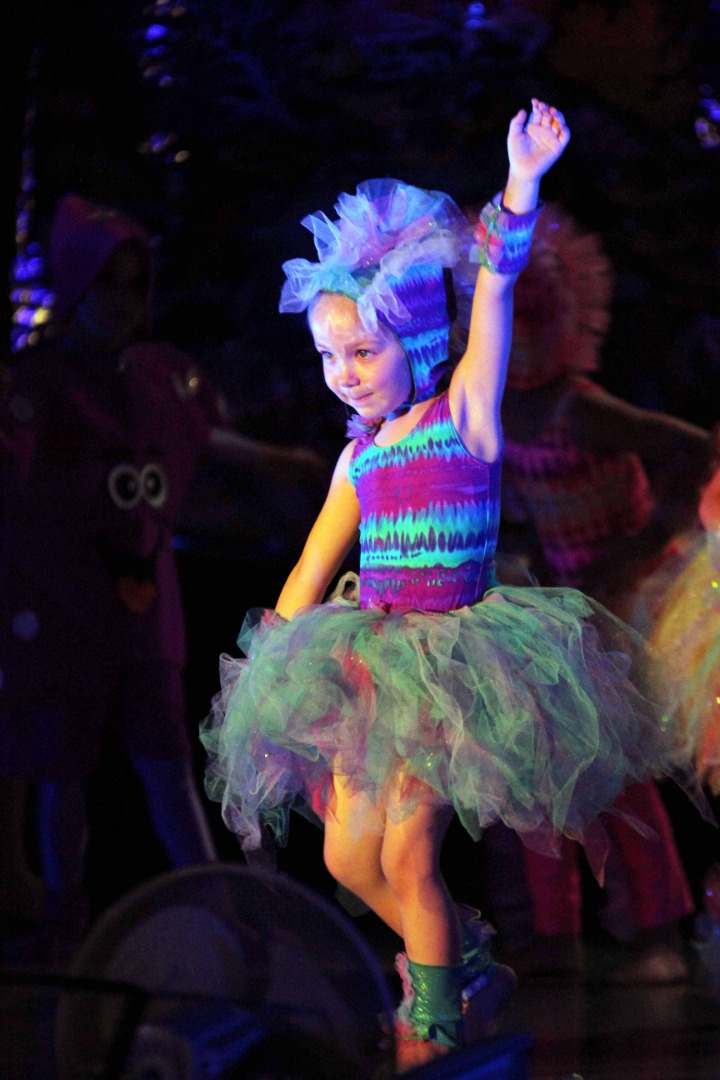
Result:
[430,514]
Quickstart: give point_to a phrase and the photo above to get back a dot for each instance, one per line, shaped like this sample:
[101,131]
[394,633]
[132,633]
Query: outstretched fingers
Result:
[546,117]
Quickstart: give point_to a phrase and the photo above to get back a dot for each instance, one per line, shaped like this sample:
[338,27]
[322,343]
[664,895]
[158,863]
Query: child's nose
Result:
[348,373]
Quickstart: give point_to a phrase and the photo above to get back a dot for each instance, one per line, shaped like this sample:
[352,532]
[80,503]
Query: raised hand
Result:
[536,142]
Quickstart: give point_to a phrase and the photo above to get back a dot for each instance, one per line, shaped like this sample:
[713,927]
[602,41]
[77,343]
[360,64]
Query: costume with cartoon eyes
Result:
[100,454]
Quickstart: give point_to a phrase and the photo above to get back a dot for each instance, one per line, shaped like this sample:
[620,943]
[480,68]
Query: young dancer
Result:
[438,693]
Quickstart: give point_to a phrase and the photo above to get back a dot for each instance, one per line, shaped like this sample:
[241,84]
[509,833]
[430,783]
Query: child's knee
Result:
[402,869]
[349,868]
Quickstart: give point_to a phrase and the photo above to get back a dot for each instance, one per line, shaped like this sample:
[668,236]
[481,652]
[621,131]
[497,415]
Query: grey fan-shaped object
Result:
[220,971]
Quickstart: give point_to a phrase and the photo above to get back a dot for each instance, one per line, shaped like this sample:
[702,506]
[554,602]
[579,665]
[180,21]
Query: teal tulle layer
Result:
[534,707]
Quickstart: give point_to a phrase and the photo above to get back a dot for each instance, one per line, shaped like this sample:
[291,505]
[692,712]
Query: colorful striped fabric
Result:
[578,500]
[430,515]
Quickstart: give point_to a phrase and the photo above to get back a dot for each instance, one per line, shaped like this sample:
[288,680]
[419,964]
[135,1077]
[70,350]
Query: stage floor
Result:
[617,1033]
[578,1027]
[582,1027]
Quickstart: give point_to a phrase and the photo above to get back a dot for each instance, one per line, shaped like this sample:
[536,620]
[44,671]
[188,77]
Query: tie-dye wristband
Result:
[503,239]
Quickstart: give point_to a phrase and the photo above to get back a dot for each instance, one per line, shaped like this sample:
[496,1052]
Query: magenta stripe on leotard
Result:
[430,513]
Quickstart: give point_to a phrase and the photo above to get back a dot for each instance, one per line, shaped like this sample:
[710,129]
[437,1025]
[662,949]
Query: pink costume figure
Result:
[576,467]
[101,433]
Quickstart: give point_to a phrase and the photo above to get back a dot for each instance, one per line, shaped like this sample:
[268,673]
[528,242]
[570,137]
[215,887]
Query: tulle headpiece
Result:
[387,250]
[561,304]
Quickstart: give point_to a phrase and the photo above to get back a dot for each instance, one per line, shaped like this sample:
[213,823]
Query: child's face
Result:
[368,371]
[114,310]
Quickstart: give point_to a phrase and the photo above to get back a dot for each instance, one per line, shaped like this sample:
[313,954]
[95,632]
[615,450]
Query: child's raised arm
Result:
[504,231]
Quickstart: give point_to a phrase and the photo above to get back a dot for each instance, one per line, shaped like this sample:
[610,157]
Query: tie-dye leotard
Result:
[429,517]
[528,706]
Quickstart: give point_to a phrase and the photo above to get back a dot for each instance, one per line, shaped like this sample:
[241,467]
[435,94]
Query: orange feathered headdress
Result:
[562,302]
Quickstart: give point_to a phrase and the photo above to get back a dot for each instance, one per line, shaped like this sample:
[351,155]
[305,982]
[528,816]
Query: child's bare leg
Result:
[429,1021]
[395,869]
[355,861]
[410,862]
[447,948]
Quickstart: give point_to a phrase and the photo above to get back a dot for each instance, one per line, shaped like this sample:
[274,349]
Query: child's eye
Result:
[364,353]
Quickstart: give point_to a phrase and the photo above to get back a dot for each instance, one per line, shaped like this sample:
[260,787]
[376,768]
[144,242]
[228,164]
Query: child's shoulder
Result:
[347,457]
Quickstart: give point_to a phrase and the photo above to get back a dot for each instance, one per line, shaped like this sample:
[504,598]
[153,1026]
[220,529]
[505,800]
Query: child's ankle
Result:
[432,1010]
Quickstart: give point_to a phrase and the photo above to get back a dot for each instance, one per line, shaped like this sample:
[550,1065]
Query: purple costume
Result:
[96,459]
[525,707]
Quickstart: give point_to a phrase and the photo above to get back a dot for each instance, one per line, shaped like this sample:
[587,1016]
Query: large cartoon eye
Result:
[154,485]
[125,486]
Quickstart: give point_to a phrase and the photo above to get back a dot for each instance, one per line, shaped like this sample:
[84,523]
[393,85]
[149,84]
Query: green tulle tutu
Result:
[534,707]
